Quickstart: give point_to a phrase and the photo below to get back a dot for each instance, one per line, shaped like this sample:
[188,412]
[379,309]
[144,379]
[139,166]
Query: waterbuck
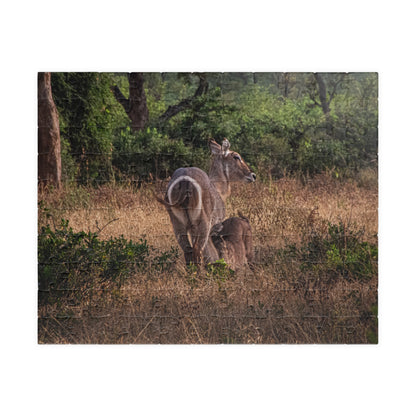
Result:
[233,241]
[195,201]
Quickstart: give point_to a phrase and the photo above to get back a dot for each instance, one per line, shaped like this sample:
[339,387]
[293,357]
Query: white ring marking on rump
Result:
[193,181]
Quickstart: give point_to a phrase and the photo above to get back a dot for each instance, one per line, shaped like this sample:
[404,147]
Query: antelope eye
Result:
[237,157]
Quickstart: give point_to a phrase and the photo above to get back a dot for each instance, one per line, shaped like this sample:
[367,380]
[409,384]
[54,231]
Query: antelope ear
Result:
[216,229]
[215,147]
[225,147]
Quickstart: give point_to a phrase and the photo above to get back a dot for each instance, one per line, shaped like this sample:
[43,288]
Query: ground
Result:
[306,286]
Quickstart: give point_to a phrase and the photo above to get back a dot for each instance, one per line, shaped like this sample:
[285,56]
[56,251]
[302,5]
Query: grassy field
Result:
[315,278]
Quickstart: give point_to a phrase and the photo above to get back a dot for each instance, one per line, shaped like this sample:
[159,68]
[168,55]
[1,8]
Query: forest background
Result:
[141,126]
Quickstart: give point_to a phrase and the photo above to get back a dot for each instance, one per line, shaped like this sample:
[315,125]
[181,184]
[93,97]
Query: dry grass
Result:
[277,303]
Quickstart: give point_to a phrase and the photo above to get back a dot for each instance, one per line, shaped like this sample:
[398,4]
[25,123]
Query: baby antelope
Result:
[233,241]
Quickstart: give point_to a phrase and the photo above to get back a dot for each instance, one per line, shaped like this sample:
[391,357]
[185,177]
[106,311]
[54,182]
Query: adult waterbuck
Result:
[233,240]
[195,201]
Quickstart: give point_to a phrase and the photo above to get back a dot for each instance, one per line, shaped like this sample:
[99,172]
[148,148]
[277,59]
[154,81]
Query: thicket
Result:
[277,121]
[71,263]
[338,253]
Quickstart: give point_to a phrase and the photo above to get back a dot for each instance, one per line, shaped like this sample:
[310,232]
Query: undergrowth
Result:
[338,253]
[69,261]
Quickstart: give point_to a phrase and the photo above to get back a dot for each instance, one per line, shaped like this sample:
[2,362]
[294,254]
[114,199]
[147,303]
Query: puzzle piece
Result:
[114,270]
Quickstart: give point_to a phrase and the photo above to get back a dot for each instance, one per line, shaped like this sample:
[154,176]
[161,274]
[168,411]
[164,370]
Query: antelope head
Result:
[228,166]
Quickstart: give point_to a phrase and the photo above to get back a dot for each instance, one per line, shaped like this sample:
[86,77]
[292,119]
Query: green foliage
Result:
[372,332]
[70,261]
[273,119]
[320,153]
[272,130]
[88,116]
[207,117]
[219,270]
[138,154]
[339,253]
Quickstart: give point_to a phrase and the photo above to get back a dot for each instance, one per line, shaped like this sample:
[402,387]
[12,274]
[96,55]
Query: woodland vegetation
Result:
[116,126]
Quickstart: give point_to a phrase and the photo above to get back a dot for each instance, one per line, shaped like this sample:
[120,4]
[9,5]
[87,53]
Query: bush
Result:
[69,261]
[138,154]
[340,253]
[208,116]
[321,154]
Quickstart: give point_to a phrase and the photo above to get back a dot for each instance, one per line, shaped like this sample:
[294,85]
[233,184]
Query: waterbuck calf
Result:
[195,201]
[233,241]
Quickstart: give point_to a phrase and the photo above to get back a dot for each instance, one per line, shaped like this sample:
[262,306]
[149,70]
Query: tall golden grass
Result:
[277,302]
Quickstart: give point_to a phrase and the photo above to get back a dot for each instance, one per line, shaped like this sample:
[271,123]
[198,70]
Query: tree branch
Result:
[314,101]
[119,96]
[187,102]
[331,96]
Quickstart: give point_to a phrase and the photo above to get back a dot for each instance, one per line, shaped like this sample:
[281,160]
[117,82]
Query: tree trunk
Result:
[285,80]
[322,94]
[49,138]
[325,98]
[136,105]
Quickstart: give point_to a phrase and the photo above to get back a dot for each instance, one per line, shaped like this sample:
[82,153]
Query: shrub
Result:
[69,261]
[340,253]
[219,270]
[320,154]
[137,154]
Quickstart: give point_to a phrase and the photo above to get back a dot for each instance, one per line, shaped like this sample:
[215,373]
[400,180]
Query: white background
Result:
[210,36]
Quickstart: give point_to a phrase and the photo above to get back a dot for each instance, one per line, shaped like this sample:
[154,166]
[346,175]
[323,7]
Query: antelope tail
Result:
[160,200]
[169,205]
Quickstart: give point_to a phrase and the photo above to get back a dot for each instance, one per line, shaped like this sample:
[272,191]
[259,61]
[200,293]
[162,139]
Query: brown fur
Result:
[233,240]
